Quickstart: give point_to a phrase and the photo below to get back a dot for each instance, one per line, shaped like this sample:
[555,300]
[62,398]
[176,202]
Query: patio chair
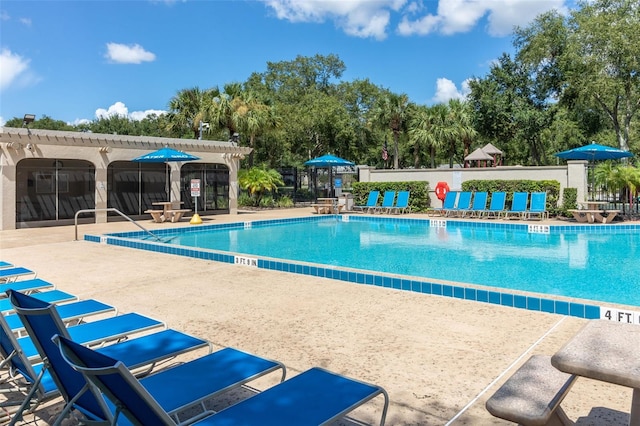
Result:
[518,206]
[211,373]
[313,397]
[26,286]
[464,204]
[8,275]
[372,202]
[71,313]
[4,264]
[496,206]
[479,205]
[53,296]
[402,203]
[448,204]
[387,202]
[538,207]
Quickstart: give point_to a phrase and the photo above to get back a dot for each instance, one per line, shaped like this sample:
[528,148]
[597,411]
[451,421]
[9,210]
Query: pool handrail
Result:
[111,209]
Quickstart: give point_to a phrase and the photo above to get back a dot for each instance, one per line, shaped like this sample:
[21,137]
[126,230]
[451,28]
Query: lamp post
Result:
[201,127]
[235,138]
[28,118]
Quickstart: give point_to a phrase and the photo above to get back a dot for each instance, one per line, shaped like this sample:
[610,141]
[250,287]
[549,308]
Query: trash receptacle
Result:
[346,200]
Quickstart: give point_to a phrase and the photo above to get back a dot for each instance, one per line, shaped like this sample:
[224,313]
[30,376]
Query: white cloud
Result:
[119,109]
[459,16]
[15,70]
[2,121]
[141,115]
[360,18]
[372,18]
[128,54]
[446,90]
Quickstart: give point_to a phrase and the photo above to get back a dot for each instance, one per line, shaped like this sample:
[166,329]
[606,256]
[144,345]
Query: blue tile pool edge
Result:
[490,295]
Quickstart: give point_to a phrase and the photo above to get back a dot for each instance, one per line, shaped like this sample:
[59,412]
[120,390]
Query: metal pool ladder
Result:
[111,209]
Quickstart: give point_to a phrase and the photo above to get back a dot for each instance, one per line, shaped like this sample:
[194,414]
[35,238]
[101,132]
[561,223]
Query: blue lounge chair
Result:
[8,275]
[402,203]
[26,286]
[496,206]
[518,206]
[313,397]
[479,205]
[70,313]
[387,202]
[209,374]
[4,264]
[538,207]
[448,204]
[464,204]
[372,203]
[53,296]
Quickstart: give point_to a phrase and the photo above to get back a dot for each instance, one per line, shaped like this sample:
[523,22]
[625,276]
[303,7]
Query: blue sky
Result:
[79,60]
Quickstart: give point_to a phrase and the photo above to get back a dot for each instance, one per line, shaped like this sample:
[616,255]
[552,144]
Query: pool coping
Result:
[560,305]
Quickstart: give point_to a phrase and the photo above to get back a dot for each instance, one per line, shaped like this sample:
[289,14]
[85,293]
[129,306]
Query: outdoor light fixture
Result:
[235,138]
[28,118]
[203,126]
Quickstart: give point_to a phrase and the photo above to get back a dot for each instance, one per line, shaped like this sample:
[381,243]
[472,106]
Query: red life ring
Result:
[441,190]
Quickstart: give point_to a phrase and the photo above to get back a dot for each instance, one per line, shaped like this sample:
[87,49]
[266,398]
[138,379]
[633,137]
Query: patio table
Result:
[606,351]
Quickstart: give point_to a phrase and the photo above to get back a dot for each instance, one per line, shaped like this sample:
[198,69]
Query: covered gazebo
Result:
[479,156]
[494,152]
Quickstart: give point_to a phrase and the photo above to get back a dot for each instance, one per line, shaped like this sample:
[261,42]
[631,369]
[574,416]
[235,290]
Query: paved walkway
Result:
[438,358]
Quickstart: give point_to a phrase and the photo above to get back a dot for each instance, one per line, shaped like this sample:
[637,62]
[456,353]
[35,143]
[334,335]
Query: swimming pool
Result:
[594,263]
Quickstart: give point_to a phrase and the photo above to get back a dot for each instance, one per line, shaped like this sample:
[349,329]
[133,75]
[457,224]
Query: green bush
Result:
[245,200]
[284,202]
[418,201]
[569,201]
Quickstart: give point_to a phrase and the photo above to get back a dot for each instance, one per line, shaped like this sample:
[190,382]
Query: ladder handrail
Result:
[111,209]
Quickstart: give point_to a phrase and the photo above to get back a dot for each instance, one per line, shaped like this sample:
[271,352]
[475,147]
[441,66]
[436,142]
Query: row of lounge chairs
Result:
[105,368]
[390,204]
[459,204]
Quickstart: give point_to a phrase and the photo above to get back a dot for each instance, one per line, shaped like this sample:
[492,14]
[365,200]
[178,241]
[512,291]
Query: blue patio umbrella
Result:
[329,161]
[594,152]
[165,155]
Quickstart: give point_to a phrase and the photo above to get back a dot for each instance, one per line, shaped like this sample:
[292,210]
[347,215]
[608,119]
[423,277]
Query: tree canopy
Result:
[573,79]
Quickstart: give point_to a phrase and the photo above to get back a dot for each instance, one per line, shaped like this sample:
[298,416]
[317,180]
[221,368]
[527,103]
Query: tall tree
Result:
[187,109]
[595,54]
[460,121]
[391,112]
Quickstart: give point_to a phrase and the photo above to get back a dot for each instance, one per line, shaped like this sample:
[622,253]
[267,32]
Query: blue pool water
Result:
[599,266]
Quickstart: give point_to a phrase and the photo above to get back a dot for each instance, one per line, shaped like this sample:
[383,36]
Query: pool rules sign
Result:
[195,187]
[195,193]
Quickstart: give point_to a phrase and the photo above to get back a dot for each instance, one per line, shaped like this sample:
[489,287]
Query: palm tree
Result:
[461,125]
[391,112]
[187,109]
[425,125]
[254,118]
[257,181]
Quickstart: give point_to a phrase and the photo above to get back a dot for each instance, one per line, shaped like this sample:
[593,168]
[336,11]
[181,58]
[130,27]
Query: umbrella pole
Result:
[166,180]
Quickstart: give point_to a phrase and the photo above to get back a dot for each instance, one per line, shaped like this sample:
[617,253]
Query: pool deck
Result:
[439,358]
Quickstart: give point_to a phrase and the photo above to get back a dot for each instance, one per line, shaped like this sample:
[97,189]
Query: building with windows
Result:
[47,176]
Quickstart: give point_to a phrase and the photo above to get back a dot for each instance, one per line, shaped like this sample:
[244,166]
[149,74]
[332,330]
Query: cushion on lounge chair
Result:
[372,202]
[387,202]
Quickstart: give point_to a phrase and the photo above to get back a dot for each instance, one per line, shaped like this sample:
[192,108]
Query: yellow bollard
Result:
[195,219]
